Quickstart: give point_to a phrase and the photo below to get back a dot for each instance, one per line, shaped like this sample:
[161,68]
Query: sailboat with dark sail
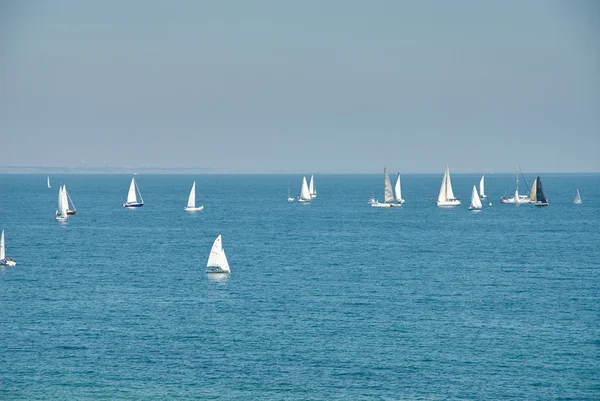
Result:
[538,198]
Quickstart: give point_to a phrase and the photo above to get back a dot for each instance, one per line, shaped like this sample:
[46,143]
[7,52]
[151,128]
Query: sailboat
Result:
[217,261]
[446,197]
[540,198]
[388,196]
[516,198]
[304,192]
[311,187]
[577,200]
[132,200]
[482,194]
[71,210]
[61,214]
[290,199]
[398,191]
[191,205]
[475,201]
[49,186]
[3,261]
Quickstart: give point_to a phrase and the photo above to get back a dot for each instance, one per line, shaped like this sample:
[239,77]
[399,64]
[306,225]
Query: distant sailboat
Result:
[3,261]
[61,214]
[482,194]
[217,261]
[446,197]
[475,201]
[71,210]
[132,200]
[290,199]
[398,191]
[577,200]
[191,205]
[516,198]
[49,186]
[388,196]
[540,197]
[304,192]
[311,187]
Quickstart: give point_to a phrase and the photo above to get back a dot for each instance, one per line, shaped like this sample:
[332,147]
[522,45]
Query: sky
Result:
[306,86]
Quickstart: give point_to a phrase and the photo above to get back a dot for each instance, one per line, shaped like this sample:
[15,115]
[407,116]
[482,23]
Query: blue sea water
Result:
[331,300]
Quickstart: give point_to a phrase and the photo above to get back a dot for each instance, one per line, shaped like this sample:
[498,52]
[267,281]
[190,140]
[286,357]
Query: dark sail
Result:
[540,196]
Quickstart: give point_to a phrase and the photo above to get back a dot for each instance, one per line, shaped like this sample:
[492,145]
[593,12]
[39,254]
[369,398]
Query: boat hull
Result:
[401,202]
[540,203]
[136,204]
[303,200]
[71,212]
[291,199]
[193,209]
[8,263]
[209,271]
[449,203]
[482,196]
[62,219]
[385,205]
[511,201]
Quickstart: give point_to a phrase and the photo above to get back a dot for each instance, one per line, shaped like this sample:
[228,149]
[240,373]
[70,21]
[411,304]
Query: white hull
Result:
[133,204]
[193,209]
[303,200]
[313,196]
[449,203]
[216,271]
[62,219]
[522,200]
[475,209]
[482,196]
[386,205]
[291,199]
[401,202]
[9,263]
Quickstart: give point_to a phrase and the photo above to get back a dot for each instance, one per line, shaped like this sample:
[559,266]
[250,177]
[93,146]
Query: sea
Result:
[332,300]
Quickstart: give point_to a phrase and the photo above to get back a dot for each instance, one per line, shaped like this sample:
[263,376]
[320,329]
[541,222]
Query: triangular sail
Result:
[442,196]
[304,193]
[131,195]
[482,187]
[397,189]
[49,186]
[533,194]
[475,202]
[449,192]
[311,186]
[224,264]
[541,197]
[62,201]
[2,254]
[192,199]
[214,258]
[388,196]
[577,200]
[68,199]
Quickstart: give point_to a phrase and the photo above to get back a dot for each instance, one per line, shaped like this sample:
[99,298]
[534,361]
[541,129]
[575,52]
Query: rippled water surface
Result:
[332,300]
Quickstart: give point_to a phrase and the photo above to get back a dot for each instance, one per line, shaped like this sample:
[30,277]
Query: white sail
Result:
[2,253]
[192,199]
[304,193]
[475,202]
[577,200]
[449,192]
[533,194]
[388,195]
[446,192]
[311,186]
[398,190]
[214,258]
[482,187]
[49,186]
[131,195]
[65,197]
[224,263]
[60,199]
[62,202]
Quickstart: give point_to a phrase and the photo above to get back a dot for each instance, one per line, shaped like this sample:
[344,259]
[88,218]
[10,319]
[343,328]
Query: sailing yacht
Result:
[61,214]
[540,198]
[3,261]
[516,198]
[290,199]
[217,261]
[398,191]
[482,194]
[577,200]
[71,210]
[446,197]
[132,200]
[388,196]
[475,201]
[191,205]
[304,192]
[311,187]
[49,186]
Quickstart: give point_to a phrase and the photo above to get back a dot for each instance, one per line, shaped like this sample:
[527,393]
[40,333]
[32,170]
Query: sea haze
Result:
[331,300]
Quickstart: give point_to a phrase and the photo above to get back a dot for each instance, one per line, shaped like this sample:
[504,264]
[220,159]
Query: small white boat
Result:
[446,197]
[304,192]
[132,200]
[482,194]
[398,191]
[49,186]
[388,195]
[311,187]
[217,261]
[61,213]
[577,200]
[191,205]
[475,201]
[289,198]
[3,261]
[71,210]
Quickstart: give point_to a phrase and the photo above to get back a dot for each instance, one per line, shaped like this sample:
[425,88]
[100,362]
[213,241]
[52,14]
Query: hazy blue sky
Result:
[308,86]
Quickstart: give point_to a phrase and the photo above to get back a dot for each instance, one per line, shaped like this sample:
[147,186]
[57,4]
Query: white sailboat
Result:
[398,191]
[516,199]
[217,261]
[132,200]
[475,201]
[61,214]
[446,196]
[289,198]
[311,187]
[49,186]
[191,205]
[577,200]
[304,192]
[71,210]
[3,261]
[482,194]
[388,195]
